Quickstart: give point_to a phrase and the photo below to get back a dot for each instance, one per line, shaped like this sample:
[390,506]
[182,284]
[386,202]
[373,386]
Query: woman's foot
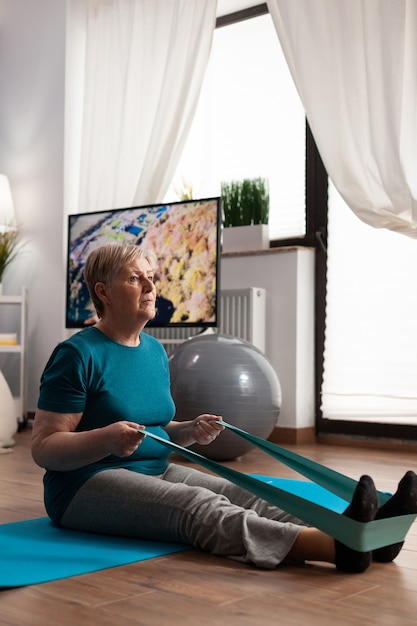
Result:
[363,508]
[403,502]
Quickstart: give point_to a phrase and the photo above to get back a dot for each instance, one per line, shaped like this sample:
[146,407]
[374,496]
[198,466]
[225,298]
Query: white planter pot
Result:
[8,419]
[246,238]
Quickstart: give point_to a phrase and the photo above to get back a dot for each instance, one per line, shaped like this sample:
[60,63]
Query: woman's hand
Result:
[203,430]
[206,428]
[124,438]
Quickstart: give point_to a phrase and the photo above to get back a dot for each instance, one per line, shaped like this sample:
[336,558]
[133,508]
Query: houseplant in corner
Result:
[10,246]
[245,215]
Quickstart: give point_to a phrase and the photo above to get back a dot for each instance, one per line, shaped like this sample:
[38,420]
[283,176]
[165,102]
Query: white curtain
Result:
[134,72]
[354,63]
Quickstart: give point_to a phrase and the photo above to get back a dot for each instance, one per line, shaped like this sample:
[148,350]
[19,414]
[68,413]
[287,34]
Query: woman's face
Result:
[133,292]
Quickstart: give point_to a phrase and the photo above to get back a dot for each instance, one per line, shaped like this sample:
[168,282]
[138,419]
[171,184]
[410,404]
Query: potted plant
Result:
[245,215]
[10,246]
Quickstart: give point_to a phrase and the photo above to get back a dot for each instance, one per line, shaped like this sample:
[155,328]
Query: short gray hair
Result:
[104,263]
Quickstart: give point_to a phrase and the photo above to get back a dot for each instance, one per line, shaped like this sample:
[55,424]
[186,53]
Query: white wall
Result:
[288,277]
[32,70]
[32,61]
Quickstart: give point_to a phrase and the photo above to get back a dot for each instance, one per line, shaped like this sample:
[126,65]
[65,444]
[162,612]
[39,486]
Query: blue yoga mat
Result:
[35,551]
[309,491]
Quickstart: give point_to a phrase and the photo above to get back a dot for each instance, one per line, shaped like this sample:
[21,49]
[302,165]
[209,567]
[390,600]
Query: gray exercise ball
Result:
[223,375]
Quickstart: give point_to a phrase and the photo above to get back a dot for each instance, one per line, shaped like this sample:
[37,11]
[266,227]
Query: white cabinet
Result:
[13,321]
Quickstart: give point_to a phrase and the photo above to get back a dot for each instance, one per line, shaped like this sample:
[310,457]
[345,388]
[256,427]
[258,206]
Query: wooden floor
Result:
[197,589]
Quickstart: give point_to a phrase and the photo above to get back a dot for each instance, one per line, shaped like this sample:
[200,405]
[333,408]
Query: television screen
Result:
[185,236]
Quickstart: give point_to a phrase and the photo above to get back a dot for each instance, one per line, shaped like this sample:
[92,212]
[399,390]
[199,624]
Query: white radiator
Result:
[242,315]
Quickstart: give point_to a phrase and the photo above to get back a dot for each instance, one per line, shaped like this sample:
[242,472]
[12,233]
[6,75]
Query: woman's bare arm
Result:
[56,445]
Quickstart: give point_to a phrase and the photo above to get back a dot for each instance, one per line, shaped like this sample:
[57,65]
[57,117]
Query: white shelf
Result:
[10,348]
[11,299]
[19,349]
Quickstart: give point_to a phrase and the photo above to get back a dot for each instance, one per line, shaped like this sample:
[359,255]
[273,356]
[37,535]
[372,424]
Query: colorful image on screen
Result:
[185,236]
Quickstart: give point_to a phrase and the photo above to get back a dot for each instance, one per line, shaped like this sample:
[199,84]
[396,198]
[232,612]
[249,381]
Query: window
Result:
[370,359]
[250,122]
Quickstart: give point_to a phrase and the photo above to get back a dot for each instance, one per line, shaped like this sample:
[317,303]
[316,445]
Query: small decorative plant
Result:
[184,191]
[10,246]
[245,202]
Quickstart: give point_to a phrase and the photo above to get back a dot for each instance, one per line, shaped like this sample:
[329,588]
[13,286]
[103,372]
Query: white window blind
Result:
[249,123]
[370,359]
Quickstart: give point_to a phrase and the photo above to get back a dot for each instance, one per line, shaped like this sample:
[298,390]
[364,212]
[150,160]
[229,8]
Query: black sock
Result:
[403,502]
[362,509]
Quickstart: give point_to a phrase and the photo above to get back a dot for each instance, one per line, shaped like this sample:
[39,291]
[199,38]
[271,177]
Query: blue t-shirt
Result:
[107,382]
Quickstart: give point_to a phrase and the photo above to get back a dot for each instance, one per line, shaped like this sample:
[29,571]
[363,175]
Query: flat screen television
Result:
[185,236]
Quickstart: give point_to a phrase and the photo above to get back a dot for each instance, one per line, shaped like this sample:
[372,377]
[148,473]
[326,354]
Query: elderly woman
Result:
[102,387]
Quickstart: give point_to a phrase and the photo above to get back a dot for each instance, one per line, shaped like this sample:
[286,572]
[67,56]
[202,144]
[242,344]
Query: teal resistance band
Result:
[357,535]
[334,482]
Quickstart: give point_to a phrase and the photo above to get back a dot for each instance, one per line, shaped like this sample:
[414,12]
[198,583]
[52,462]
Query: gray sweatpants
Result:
[187,506]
